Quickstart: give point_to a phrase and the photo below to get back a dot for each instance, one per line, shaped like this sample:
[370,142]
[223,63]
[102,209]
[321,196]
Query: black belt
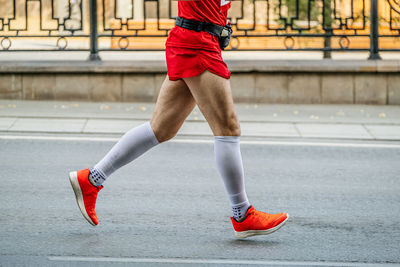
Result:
[199,26]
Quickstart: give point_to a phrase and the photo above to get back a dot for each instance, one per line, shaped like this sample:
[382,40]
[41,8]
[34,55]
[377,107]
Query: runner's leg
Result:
[213,95]
[174,104]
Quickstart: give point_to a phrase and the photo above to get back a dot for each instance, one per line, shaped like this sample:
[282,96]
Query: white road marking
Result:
[296,143]
[216,261]
[208,141]
[59,138]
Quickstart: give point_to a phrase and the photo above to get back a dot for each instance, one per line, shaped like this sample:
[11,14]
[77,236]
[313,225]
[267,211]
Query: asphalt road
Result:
[170,206]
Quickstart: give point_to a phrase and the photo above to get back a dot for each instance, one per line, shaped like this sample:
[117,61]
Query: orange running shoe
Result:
[258,223]
[85,194]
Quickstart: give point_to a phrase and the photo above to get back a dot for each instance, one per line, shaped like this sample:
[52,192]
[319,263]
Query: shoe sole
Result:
[249,233]
[73,178]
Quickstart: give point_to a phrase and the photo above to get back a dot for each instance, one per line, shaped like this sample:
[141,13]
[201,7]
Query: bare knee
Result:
[234,129]
[163,134]
[229,126]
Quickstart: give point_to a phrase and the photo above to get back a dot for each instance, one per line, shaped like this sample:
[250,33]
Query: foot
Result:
[85,194]
[258,223]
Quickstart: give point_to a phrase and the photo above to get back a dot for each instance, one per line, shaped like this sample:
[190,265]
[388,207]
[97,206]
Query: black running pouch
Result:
[225,37]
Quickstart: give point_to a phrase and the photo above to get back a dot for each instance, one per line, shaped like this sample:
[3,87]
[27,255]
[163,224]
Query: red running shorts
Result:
[187,62]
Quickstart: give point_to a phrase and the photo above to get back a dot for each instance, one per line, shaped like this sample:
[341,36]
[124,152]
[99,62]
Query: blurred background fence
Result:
[270,25]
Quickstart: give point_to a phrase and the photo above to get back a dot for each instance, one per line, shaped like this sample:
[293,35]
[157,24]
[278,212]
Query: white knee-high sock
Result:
[230,167]
[132,144]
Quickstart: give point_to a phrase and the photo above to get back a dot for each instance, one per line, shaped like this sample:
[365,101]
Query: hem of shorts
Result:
[187,76]
[214,72]
[201,72]
[219,74]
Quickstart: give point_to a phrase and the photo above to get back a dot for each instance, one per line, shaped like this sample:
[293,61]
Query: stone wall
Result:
[306,82]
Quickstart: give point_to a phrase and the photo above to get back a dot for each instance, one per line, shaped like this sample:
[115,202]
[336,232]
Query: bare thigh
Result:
[174,104]
[213,95]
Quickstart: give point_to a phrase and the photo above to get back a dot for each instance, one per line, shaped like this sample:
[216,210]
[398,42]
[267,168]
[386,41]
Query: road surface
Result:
[169,207]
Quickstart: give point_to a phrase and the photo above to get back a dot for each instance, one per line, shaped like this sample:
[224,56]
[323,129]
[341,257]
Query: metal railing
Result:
[259,25]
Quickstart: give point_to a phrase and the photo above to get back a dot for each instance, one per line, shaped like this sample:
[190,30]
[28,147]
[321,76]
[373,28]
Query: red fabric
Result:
[213,11]
[187,62]
[188,52]
[180,37]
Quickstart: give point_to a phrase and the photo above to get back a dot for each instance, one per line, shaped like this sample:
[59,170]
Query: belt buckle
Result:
[224,32]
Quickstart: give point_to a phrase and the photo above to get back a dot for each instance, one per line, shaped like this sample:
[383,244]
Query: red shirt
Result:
[213,11]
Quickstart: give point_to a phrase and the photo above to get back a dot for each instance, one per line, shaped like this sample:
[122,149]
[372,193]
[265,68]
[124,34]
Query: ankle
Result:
[239,212]
[96,177]
[90,178]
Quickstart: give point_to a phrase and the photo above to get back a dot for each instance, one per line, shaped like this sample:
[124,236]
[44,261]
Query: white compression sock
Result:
[230,167]
[131,145]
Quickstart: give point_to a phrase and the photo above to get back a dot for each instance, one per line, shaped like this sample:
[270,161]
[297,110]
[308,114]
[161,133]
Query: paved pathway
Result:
[264,121]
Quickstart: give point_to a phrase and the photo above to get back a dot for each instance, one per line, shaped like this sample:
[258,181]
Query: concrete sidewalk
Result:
[257,121]
[33,55]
